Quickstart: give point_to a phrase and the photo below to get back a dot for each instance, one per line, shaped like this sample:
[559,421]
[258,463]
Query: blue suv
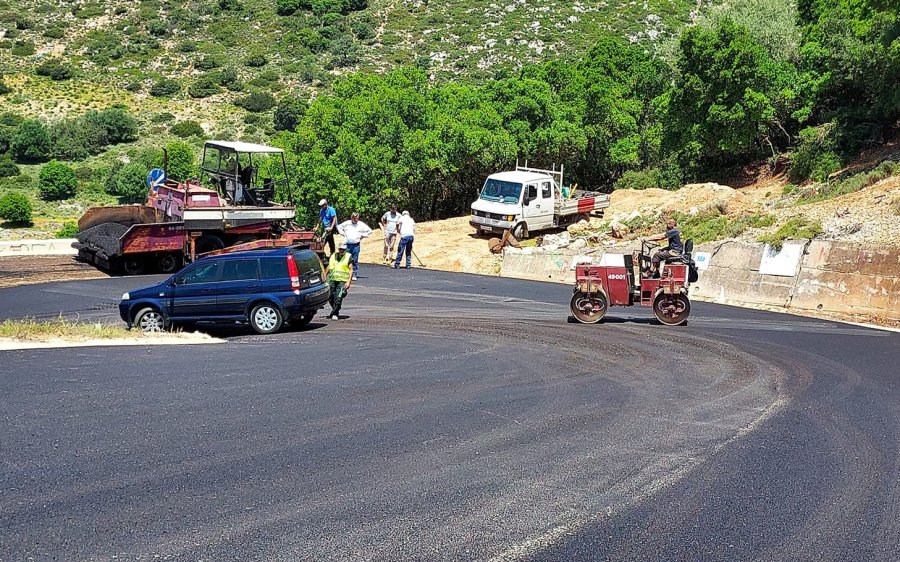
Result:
[263,287]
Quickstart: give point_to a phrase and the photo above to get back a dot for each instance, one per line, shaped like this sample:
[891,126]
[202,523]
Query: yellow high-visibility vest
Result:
[339,269]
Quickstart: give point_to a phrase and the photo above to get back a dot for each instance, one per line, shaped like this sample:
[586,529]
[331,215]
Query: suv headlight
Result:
[125,296]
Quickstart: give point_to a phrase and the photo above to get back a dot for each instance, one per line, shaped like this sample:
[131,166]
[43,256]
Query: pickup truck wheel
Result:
[520,231]
[265,318]
[150,321]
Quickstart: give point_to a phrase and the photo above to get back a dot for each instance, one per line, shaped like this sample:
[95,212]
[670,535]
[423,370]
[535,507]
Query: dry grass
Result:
[34,330]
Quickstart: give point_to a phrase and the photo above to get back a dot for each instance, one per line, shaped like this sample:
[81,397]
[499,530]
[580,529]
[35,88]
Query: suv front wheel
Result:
[150,321]
[265,318]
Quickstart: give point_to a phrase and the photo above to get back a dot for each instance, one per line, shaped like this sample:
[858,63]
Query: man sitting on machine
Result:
[675,247]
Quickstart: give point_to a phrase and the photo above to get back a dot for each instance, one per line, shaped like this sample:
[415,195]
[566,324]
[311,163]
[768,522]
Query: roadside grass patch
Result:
[713,225]
[852,184]
[60,328]
[795,228]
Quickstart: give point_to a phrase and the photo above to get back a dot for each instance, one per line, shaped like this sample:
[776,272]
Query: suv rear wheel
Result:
[265,318]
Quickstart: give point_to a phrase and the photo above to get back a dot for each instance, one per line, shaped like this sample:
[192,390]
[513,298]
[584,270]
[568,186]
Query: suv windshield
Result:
[501,191]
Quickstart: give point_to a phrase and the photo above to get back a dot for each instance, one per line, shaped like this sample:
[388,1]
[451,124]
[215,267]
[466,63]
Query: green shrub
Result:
[56,181]
[128,181]
[185,129]
[796,228]
[287,7]
[851,184]
[208,63]
[669,178]
[68,230]
[55,70]
[31,142]
[256,102]
[15,207]
[117,125]
[164,117]
[203,87]
[186,47]
[256,60]
[229,79]
[8,168]
[54,33]
[4,89]
[164,87]
[23,48]
[817,155]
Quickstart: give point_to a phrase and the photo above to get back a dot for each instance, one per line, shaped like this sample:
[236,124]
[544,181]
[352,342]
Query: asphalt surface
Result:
[453,417]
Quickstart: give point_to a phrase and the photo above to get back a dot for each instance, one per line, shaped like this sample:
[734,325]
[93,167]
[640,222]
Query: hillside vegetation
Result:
[416,101]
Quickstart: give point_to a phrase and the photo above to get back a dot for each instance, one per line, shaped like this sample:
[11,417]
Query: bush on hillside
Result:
[30,142]
[256,60]
[256,102]
[55,70]
[287,7]
[15,207]
[817,156]
[8,168]
[185,129]
[203,87]
[164,87]
[4,89]
[56,181]
[68,230]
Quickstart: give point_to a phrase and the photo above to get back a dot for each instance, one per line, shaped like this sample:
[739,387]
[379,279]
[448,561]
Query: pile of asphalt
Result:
[103,237]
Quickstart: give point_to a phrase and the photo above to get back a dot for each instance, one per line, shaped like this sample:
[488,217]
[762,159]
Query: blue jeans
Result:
[406,244]
[354,256]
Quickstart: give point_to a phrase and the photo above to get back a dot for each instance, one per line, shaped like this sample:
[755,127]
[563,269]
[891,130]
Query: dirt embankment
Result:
[28,270]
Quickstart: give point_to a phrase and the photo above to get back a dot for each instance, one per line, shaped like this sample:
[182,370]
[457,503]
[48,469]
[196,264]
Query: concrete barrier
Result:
[52,247]
[834,278]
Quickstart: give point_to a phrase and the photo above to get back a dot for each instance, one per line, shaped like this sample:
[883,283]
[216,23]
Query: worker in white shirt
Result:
[354,230]
[389,221]
[407,229]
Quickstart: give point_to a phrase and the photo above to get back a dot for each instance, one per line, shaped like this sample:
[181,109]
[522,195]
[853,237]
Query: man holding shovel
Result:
[407,230]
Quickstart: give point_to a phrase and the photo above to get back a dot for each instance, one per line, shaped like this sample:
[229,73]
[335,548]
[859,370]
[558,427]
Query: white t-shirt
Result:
[407,226]
[390,222]
[354,233]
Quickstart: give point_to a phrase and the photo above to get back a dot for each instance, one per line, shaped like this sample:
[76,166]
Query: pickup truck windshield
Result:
[501,191]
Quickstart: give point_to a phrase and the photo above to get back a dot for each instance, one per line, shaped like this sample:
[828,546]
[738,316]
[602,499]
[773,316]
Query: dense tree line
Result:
[753,79]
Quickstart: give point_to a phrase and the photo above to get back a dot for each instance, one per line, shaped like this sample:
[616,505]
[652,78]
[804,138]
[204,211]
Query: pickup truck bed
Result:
[582,202]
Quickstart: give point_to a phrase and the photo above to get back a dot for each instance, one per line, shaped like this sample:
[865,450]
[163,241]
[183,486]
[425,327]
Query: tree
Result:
[56,181]
[731,100]
[128,181]
[182,164]
[15,207]
[287,7]
[117,125]
[288,113]
[31,141]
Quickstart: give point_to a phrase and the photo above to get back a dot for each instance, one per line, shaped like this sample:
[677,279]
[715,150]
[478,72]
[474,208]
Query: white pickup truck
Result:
[529,200]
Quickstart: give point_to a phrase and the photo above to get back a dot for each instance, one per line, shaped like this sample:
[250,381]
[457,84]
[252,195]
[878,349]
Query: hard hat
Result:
[323,202]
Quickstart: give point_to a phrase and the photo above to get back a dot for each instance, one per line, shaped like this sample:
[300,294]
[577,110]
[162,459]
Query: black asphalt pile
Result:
[104,237]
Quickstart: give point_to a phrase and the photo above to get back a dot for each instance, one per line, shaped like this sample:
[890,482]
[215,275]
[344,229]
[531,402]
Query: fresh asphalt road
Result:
[453,417]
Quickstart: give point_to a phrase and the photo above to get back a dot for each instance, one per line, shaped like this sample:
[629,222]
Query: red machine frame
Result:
[597,287]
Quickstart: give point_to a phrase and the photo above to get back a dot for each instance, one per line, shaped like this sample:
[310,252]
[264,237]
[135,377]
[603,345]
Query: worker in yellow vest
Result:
[338,275]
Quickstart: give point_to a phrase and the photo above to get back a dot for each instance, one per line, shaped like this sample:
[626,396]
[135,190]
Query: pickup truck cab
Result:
[529,200]
[263,288]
